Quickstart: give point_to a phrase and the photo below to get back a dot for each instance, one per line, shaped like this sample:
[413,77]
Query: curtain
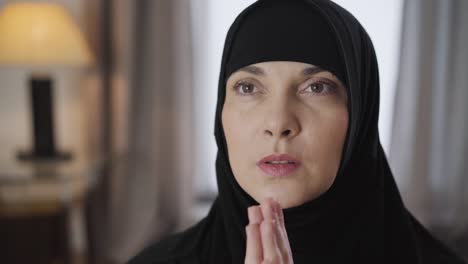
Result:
[429,149]
[147,190]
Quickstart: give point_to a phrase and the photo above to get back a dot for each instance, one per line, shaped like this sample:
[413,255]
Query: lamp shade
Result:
[38,33]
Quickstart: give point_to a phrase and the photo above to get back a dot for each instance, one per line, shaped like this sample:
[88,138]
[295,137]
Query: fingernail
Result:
[274,208]
[250,213]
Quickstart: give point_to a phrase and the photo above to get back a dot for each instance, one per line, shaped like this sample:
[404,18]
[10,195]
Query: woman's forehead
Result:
[264,69]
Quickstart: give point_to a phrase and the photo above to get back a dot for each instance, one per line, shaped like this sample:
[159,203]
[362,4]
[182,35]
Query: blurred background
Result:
[107,119]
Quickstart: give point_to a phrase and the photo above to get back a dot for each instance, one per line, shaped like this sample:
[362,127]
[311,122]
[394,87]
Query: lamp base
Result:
[44,149]
[31,156]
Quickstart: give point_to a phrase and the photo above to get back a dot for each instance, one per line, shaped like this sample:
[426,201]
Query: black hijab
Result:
[361,218]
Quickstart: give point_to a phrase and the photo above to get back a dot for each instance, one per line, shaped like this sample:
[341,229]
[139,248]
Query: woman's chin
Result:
[287,197]
[292,202]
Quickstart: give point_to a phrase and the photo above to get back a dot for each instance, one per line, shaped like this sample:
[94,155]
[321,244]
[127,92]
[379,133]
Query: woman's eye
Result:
[244,88]
[320,88]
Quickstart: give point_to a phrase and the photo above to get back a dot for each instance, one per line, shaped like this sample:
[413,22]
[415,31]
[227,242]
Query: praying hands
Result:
[267,239]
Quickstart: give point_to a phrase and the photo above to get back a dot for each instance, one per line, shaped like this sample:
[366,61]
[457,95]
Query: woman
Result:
[301,174]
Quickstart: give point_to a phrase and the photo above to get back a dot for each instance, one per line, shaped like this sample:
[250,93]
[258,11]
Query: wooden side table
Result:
[36,199]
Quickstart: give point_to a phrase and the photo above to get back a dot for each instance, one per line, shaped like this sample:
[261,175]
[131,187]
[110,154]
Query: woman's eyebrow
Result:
[253,70]
[259,71]
[312,70]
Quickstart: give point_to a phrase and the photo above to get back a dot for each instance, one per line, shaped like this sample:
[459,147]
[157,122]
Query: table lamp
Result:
[36,35]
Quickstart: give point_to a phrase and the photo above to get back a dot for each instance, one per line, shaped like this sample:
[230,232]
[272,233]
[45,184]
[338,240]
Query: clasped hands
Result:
[267,239]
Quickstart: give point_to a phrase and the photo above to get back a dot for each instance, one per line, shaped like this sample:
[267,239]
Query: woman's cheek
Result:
[236,132]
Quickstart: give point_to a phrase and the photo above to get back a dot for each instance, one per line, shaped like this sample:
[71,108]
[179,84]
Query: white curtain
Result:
[150,176]
[429,149]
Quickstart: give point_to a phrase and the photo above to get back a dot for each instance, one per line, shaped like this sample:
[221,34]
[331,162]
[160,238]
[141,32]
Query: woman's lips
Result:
[278,170]
[279,165]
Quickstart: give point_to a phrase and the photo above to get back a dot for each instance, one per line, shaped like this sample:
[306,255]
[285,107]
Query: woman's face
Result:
[284,107]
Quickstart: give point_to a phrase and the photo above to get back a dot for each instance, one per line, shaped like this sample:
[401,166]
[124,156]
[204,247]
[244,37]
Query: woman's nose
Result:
[282,123]
[284,134]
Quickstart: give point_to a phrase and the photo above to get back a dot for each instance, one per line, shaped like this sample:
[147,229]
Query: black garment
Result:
[361,218]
